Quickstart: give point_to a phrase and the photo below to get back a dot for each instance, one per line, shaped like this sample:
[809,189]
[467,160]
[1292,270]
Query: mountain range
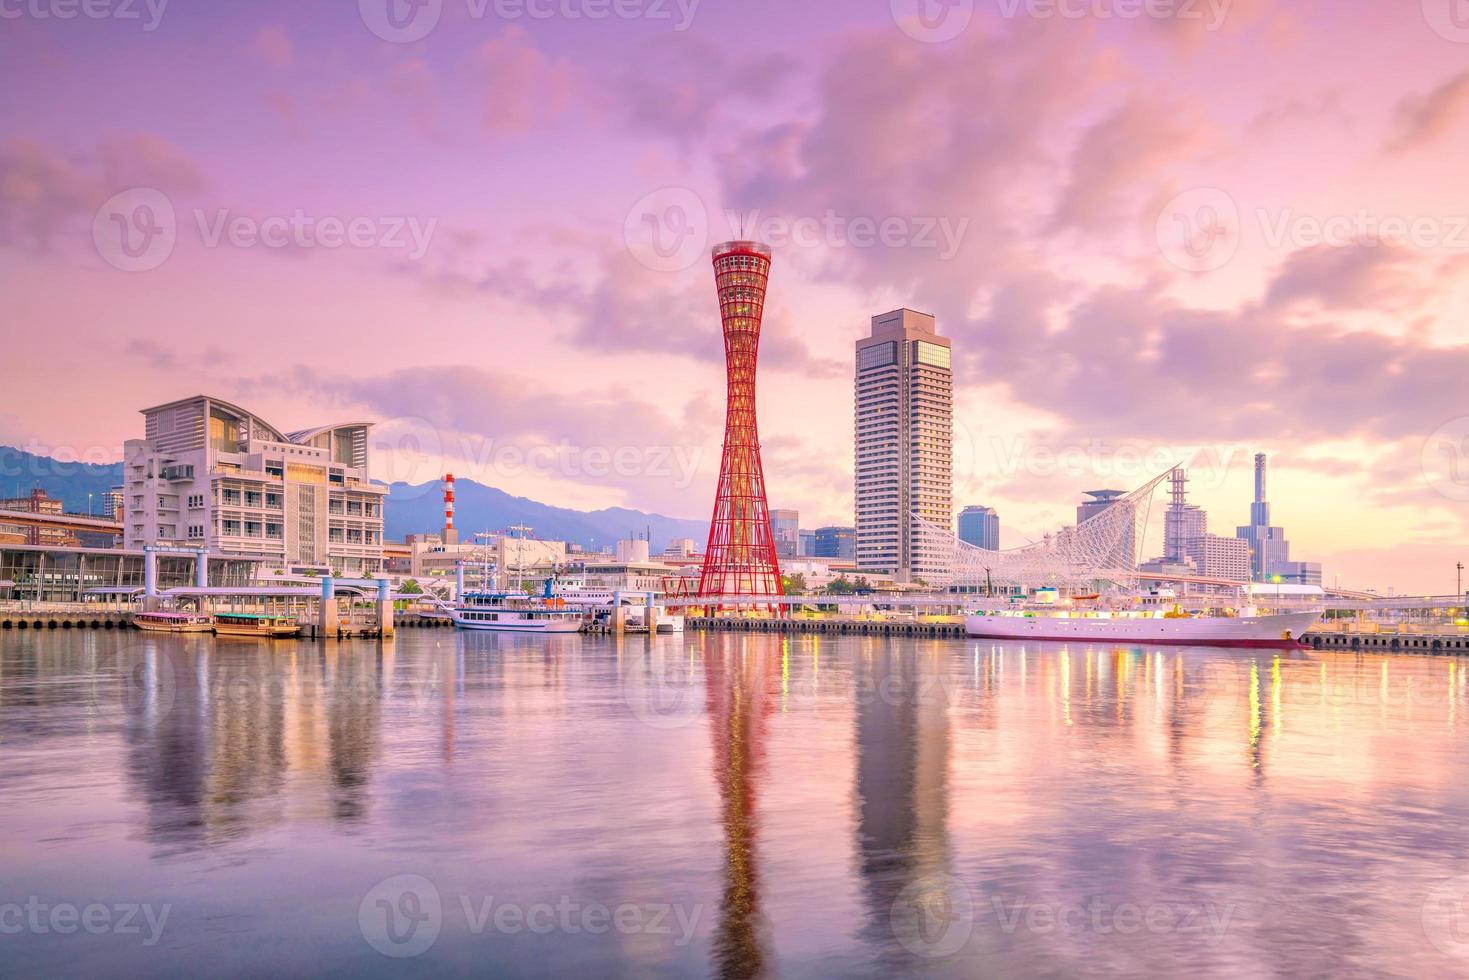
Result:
[409,508]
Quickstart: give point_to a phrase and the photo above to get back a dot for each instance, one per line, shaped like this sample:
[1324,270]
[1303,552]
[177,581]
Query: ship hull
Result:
[1243,631]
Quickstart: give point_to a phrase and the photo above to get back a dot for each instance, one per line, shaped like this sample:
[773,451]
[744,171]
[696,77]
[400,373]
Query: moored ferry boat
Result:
[1169,626]
[256,625]
[499,612]
[172,622]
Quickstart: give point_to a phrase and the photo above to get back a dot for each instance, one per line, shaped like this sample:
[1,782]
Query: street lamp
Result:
[89,507]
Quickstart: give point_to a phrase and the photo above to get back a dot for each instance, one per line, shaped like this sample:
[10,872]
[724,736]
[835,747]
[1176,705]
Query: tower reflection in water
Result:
[740,683]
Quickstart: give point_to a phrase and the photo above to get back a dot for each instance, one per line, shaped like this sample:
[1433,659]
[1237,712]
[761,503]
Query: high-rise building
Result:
[741,558]
[1126,556]
[980,526]
[786,525]
[836,542]
[1215,556]
[807,547]
[1269,549]
[904,421]
[212,475]
[1183,522]
[40,502]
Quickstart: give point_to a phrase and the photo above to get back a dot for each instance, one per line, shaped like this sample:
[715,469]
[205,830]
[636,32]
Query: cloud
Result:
[43,193]
[1130,359]
[521,88]
[1424,119]
[1358,277]
[683,87]
[1129,147]
[273,46]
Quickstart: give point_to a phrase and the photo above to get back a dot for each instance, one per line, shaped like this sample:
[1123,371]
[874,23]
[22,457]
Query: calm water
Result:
[726,805]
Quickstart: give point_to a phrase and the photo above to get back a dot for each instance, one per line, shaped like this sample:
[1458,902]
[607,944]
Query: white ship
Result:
[498,612]
[1157,619]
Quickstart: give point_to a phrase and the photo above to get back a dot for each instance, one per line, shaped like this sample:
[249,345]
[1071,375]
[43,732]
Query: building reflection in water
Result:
[902,747]
[214,730]
[741,682]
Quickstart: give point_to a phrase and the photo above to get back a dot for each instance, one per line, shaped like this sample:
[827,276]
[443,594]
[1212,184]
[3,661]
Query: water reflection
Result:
[855,806]
[739,686]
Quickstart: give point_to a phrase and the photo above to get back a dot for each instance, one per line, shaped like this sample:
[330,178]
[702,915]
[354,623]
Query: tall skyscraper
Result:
[1184,522]
[980,526]
[1269,549]
[786,525]
[741,558]
[904,444]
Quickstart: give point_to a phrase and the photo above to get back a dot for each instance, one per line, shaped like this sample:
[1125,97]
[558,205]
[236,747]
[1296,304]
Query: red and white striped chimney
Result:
[451,536]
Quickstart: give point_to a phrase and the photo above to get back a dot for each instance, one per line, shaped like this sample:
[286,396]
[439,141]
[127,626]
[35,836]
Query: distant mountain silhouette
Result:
[21,472]
[420,508]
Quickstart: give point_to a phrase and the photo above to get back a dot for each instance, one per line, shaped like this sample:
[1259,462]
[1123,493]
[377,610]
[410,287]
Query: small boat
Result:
[499,612]
[253,624]
[172,622]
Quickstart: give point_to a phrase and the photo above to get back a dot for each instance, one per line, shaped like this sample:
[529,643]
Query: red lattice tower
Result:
[741,557]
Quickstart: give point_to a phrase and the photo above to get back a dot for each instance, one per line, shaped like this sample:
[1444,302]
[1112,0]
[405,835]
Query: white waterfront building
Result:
[904,446]
[210,474]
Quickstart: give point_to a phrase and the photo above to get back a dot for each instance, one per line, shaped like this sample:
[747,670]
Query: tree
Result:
[840,586]
[861,585]
[793,584]
[410,587]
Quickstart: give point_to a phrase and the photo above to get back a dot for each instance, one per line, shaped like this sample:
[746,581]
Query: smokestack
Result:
[451,534]
[1259,478]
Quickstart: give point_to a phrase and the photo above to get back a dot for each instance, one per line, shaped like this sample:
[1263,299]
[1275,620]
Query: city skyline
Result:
[1337,357]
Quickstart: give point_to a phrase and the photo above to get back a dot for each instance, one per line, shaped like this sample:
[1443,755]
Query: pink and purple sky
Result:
[1153,228]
